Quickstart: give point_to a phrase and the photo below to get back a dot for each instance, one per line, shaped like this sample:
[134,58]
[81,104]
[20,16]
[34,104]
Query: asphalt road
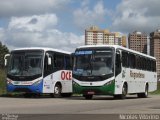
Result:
[78,105]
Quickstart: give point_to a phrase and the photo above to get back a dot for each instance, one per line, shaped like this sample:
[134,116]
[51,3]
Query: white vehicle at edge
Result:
[113,70]
[39,70]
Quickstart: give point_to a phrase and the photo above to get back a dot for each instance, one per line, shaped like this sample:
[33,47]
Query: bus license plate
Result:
[91,92]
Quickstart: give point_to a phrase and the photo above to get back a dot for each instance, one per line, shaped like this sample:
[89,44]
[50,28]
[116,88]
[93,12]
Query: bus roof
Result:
[42,48]
[116,47]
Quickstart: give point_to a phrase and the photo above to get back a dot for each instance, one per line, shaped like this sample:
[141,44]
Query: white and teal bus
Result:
[113,70]
[37,70]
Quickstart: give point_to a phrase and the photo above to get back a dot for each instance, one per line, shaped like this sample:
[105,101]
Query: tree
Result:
[3,50]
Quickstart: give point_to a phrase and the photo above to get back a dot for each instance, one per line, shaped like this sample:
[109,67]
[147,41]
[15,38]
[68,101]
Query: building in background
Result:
[124,41]
[108,37]
[155,48]
[138,41]
[96,36]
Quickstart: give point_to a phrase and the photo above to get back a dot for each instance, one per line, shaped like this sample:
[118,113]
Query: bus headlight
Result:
[109,83]
[37,82]
[9,81]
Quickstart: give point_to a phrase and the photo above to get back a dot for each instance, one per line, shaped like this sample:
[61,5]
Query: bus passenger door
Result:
[118,77]
[48,76]
[118,63]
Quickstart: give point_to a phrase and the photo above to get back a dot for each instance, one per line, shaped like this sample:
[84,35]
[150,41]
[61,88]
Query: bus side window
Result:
[118,63]
[68,62]
[148,64]
[58,61]
[137,62]
[124,59]
[132,61]
[154,66]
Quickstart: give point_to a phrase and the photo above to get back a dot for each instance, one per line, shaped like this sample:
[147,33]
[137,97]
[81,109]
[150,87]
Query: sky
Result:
[61,24]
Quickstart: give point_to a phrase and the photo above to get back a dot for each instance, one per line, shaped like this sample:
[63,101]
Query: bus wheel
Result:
[145,94]
[88,97]
[124,93]
[57,91]
[66,94]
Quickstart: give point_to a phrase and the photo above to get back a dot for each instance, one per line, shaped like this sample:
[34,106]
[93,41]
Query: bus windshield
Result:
[25,63]
[93,62]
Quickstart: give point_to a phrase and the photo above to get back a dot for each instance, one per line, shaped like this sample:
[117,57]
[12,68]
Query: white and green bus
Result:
[113,70]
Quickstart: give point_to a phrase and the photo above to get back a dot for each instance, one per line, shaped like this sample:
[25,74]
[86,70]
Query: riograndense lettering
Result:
[136,75]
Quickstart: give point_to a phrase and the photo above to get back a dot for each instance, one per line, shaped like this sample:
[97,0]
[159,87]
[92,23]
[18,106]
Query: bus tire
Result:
[57,91]
[88,97]
[66,94]
[145,94]
[124,92]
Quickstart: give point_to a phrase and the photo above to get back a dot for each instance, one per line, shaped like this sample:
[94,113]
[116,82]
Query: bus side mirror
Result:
[6,59]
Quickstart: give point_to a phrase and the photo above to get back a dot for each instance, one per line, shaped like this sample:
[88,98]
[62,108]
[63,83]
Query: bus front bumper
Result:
[107,89]
[34,88]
